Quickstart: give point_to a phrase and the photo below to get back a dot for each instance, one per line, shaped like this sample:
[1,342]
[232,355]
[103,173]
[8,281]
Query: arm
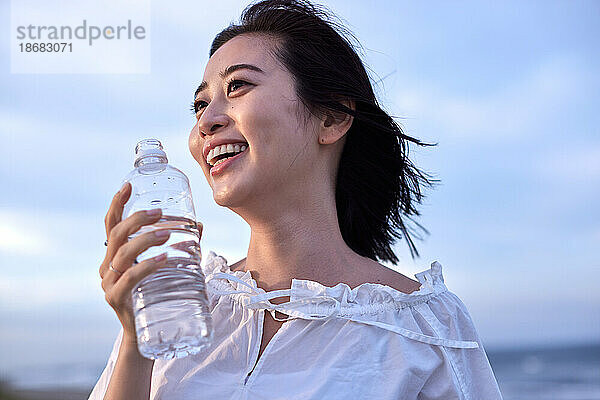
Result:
[131,376]
[128,372]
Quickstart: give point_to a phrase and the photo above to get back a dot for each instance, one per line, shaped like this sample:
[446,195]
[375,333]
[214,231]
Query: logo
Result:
[74,36]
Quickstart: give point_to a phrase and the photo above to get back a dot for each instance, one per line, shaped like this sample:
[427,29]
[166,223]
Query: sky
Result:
[510,91]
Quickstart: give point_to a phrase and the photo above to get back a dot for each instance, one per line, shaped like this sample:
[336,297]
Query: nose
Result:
[211,122]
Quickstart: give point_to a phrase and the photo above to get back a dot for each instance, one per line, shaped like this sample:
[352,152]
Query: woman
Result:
[324,183]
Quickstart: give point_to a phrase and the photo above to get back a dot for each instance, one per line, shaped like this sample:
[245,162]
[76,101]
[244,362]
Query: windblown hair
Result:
[377,186]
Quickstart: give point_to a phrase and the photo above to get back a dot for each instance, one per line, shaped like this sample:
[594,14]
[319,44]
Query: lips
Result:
[225,151]
[217,169]
[208,146]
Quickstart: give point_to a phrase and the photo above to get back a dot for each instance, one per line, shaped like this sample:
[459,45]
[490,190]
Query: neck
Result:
[301,243]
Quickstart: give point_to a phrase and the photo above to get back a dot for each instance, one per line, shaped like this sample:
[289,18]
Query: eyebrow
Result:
[226,72]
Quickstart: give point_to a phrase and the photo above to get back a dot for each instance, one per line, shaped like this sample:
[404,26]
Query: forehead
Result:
[242,49]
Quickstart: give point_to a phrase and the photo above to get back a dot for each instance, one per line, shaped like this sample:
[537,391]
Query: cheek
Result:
[195,143]
[270,119]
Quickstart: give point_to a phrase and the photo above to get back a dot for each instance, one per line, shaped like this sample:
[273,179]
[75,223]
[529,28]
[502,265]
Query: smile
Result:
[224,151]
[221,163]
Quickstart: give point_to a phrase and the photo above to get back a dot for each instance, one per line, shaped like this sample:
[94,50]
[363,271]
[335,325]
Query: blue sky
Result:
[509,90]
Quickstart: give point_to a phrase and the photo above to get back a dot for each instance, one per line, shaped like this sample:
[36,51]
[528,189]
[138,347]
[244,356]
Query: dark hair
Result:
[376,182]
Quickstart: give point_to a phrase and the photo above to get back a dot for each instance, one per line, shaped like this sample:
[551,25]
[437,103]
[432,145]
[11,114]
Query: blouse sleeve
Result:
[462,373]
[99,390]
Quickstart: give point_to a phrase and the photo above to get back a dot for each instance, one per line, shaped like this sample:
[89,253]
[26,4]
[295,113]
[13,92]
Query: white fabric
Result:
[370,342]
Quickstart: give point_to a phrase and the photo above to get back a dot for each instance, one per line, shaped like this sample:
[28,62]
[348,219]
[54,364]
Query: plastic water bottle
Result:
[171,311]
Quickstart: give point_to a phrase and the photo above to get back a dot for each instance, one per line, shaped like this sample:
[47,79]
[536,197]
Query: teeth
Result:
[220,161]
[225,148]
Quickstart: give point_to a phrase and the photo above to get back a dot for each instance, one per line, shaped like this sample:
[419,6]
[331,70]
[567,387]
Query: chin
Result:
[228,195]
[238,187]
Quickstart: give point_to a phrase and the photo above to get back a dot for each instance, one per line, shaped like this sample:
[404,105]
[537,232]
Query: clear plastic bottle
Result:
[171,311]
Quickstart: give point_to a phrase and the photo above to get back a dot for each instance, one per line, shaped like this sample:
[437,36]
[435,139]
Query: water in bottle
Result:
[171,311]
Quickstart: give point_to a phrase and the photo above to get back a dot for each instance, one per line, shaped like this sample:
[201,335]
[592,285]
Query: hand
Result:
[122,253]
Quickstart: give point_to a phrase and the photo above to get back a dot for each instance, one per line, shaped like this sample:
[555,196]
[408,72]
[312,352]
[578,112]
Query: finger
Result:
[126,228]
[119,235]
[120,292]
[200,228]
[115,210]
[112,218]
[127,254]
[110,276]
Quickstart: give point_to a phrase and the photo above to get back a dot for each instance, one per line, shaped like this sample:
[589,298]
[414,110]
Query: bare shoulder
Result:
[238,265]
[375,272]
[369,271]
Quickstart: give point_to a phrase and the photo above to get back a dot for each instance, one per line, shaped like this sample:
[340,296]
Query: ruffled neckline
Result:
[366,294]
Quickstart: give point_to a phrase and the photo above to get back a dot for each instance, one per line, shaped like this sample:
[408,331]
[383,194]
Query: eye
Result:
[235,84]
[197,105]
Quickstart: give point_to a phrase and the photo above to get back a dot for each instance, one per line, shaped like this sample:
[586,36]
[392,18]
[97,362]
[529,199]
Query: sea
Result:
[548,373]
[543,373]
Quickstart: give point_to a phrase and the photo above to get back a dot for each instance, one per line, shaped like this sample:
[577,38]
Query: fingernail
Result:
[153,212]
[162,257]
[123,187]
[162,233]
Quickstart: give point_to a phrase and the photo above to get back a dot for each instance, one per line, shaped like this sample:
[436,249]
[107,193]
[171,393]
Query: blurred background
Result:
[509,90]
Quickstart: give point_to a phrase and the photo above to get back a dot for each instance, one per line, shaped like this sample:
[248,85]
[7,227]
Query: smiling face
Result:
[248,96]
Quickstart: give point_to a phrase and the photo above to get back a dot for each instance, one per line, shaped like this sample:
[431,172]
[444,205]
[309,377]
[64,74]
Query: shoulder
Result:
[371,271]
[237,266]
[368,271]
[424,306]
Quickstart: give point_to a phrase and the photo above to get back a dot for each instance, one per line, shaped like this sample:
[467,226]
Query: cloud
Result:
[572,163]
[30,292]
[511,111]
[49,258]
[48,237]
[206,19]
[17,237]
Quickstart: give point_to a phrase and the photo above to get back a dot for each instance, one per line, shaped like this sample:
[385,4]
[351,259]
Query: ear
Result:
[336,124]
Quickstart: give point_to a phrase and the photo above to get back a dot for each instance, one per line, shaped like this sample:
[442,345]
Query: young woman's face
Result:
[248,97]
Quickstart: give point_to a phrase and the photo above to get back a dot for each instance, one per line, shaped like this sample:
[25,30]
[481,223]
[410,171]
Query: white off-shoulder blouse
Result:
[370,342]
